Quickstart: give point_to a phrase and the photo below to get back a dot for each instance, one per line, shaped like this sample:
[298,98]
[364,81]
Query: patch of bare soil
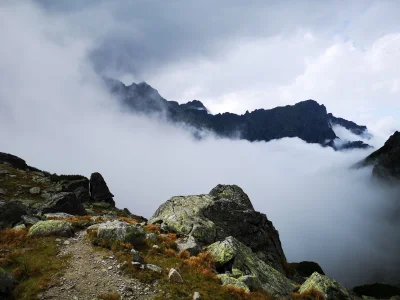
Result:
[92,273]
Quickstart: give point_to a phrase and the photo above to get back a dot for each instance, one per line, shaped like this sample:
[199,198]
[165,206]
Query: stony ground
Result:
[92,273]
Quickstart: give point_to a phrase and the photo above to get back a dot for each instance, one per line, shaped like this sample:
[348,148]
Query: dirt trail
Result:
[92,273]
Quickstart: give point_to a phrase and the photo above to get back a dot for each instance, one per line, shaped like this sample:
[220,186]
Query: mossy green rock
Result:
[225,211]
[232,281]
[232,254]
[51,228]
[121,231]
[332,289]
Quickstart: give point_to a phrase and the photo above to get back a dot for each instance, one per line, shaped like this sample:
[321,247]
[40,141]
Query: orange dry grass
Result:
[202,263]
[240,294]
[311,294]
[152,228]
[130,221]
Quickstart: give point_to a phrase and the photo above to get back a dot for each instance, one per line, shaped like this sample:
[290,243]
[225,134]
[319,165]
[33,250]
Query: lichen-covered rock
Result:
[19,227]
[58,215]
[189,244]
[196,296]
[238,259]
[35,190]
[121,231]
[251,281]
[6,284]
[152,237]
[11,213]
[174,276]
[29,220]
[154,268]
[231,281]
[63,202]
[332,289]
[226,211]
[136,257]
[51,228]
[99,191]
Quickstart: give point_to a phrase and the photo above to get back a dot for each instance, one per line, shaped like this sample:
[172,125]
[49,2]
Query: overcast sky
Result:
[55,113]
[241,55]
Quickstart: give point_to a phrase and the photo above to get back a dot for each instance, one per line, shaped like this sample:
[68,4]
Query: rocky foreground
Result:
[63,238]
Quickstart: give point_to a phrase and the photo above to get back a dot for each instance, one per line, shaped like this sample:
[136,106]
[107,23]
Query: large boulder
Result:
[331,289]
[225,211]
[7,282]
[71,186]
[99,191]
[235,258]
[63,202]
[11,213]
[51,228]
[121,231]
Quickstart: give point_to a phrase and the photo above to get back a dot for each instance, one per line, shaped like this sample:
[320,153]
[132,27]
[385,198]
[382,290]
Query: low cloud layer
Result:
[55,113]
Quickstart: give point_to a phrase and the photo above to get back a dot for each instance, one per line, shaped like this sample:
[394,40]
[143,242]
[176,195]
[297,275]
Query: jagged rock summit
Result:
[225,211]
[307,120]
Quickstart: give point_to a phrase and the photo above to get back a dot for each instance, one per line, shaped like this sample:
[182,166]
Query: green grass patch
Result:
[33,261]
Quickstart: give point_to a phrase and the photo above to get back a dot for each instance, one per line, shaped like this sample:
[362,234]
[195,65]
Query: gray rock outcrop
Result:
[225,211]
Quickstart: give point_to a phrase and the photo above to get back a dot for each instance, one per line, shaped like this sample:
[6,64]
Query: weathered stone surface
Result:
[51,228]
[226,211]
[232,281]
[238,259]
[7,282]
[303,270]
[19,227]
[154,268]
[2,192]
[35,190]
[58,216]
[11,213]
[82,194]
[174,276]
[152,237]
[136,257]
[29,220]
[251,281]
[332,289]
[196,296]
[71,186]
[99,191]
[189,244]
[4,171]
[121,231]
[63,202]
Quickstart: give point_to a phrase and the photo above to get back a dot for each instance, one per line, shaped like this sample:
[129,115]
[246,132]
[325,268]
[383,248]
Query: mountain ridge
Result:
[307,120]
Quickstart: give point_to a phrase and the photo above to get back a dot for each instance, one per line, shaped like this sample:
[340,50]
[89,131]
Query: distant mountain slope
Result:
[386,160]
[307,120]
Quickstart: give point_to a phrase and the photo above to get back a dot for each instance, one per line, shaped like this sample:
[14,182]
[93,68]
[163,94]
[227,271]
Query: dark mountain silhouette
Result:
[307,120]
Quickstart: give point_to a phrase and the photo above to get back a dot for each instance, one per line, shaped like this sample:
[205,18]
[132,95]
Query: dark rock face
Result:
[306,120]
[386,160]
[226,211]
[63,202]
[349,125]
[71,186]
[307,268]
[13,160]
[99,191]
[82,194]
[11,213]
